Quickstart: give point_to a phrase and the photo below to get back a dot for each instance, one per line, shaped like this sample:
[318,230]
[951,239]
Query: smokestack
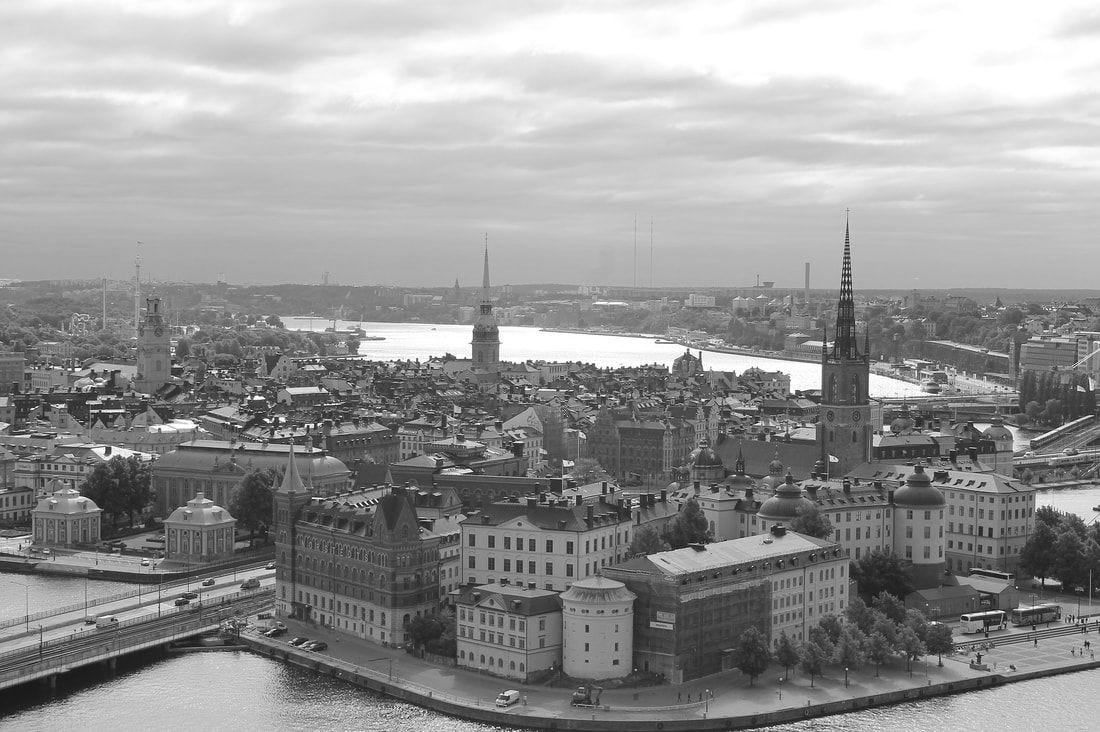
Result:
[806,293]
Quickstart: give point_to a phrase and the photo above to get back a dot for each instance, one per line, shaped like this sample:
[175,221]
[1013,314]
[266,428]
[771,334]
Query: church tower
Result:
[845,429]
[154,350]
[288,500]
[486,342]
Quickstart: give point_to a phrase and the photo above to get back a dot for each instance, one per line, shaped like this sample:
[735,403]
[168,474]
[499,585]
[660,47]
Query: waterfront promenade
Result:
[721,701]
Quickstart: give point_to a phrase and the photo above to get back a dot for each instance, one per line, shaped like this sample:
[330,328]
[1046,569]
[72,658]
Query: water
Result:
[238,690]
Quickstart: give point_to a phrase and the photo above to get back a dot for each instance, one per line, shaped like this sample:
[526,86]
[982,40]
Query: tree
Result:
[916,620]
[879,649]
[910,646]
[890,606]
[787,652]
[1037,557]
[588,470]
[647,541]
[850,648]
[274,321]
[183,348]
[832,626]
[812,522]
[878,572]
[938,640]
[753,653]
[252,501]
[820,637]
[814,658]
[434,633]
[1069,560]
[689,526]
[119,486]
[858,614]
[1049,515]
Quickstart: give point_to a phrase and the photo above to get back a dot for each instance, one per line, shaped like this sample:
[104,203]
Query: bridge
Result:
[1074,444]
[57,645]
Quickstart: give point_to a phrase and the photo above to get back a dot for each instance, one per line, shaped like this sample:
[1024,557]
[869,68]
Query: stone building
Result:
[508,630]
[597,629]
[65,518]
[199,532]
[154,350]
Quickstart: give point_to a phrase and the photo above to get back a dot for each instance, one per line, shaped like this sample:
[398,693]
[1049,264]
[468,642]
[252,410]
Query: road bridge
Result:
[45,655]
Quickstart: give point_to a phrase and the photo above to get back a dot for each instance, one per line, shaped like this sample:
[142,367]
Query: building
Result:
[485,346]
[509,630]
[550,543]
[845,429]
[1049,353]
[360,564]
[154,350]
[215,469]
[16,505]
[199,532]
[12,372]
[65,518]
[693,603]
[597,629]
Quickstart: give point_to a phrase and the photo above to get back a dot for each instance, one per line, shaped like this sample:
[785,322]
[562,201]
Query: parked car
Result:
[208,582]
[250,584]
[180,601]
[145,562]
[315,646]
[275,632]
[298,641]
[270,565]
[190,595]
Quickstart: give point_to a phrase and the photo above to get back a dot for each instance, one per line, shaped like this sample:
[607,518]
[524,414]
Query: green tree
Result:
[1050,516]
[850,648]
[183,348]
[814,658]
[916,620]
[832,626]
[909,645]
[1069,560]
[252,501]
[120,487]
[860,615]
[938,640]
[101,485]
[820,637]
[879,571]
[647,541]
[812,522]
[1037,558]
[753,653]
[879,650]
[689,526]
[787,652]
[890,606]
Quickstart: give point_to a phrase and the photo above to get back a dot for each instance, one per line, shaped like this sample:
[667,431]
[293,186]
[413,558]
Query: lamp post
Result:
[40,641]
[779,691]
[845,677]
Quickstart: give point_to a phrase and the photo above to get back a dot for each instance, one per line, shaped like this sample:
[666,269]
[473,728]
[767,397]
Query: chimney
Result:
[664,495]
[107,450]
[778,530]
[698,547]
[973,452]
[532,502]
[603,488]
[578,501]
[748,494]
[589,516]
[847,486]
[953,455]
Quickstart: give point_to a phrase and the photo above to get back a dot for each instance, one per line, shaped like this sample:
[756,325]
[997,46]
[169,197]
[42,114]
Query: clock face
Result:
[856,416]
[830,415]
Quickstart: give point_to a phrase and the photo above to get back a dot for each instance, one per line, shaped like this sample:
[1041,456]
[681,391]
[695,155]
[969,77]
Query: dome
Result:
[199,511]
[597,591]
[918,490]
[704,457]
[65,500]
[997,431]
[786,504]
[903,423]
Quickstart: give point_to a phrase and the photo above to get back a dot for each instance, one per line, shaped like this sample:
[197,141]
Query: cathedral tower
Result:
[154,350]
[486,342]
[845,429]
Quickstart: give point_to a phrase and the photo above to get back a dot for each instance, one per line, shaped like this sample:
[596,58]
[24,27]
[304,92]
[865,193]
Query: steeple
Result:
[485,276]
[292,482]
[845,345]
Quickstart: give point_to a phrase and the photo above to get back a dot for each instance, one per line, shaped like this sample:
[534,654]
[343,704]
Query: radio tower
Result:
[137,291]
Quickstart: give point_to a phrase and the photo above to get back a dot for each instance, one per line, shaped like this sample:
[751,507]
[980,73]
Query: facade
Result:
[154,350]
[16,505]
[199,532]
[548,543]
[693,603]
[12,369]
[509,630]
[485,346]
[215,468]
[845,429]
[360,564]
[65,518]
[597,629]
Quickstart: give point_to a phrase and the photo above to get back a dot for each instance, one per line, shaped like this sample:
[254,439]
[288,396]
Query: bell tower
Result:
[154,350]
[485,345]
[845,429]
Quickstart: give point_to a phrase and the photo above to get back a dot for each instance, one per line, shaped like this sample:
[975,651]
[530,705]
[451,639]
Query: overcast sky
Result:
[273,141]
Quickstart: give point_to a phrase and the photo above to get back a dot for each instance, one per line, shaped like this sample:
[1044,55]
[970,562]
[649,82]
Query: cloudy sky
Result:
[272,141]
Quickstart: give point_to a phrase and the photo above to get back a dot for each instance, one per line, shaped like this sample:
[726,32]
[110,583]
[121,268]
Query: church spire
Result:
[292,482]
[485,277]
[844,344]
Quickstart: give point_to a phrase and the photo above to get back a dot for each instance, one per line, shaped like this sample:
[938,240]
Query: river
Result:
[241,691]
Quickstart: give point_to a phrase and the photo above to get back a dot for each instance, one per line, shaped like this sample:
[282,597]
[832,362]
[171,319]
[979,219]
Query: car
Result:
[275,632]
[190,595]
[298,641]
[208,582]
[145,562]
[315,646]
[89,621]
[180,601]
[1070,451]
[270,565]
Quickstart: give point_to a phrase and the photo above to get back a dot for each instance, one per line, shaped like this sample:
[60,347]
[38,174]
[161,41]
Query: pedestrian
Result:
[679,696]
[1072,651]
[1035,641]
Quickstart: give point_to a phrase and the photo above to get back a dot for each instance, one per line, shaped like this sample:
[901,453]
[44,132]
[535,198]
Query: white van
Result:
[508,698]
[106,621]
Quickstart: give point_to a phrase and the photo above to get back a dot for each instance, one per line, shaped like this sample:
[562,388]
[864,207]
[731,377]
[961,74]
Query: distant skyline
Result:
[272,141]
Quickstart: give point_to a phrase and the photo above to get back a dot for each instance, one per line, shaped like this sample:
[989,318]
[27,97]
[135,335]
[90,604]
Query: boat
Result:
[372,338]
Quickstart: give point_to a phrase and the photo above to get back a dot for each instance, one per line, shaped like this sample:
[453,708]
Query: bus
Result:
[983,621]
[1035,614]
[993,573]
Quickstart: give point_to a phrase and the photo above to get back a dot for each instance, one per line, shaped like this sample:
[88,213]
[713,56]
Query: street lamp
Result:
[845,677]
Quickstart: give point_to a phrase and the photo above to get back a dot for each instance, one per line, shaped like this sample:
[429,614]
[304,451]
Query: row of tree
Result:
[1049,397]
[863,635]
[1063,547]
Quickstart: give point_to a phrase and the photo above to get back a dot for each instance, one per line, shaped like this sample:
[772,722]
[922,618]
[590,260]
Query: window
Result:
[492,541]
[473,563]
[472,540]
[568,547]
[549,546]
[507,542]
[531,546]
[492,563]
[507,565]
[549,568]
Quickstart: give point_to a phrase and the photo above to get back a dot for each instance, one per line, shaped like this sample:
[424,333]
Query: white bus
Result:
[983,621]
[1036,614]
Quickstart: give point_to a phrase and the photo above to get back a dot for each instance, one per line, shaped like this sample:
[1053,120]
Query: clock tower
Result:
[845,429]
[154,350]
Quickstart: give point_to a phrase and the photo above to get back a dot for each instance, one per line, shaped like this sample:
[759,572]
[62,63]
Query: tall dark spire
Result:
[844,343]
[486,301]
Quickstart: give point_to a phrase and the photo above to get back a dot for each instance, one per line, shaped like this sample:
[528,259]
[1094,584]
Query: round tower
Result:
[918,527]
[597,629]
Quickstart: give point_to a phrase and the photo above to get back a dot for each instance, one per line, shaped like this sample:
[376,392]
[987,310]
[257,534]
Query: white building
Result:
[597,629]
[65,518]
[508,630]
[199,532]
